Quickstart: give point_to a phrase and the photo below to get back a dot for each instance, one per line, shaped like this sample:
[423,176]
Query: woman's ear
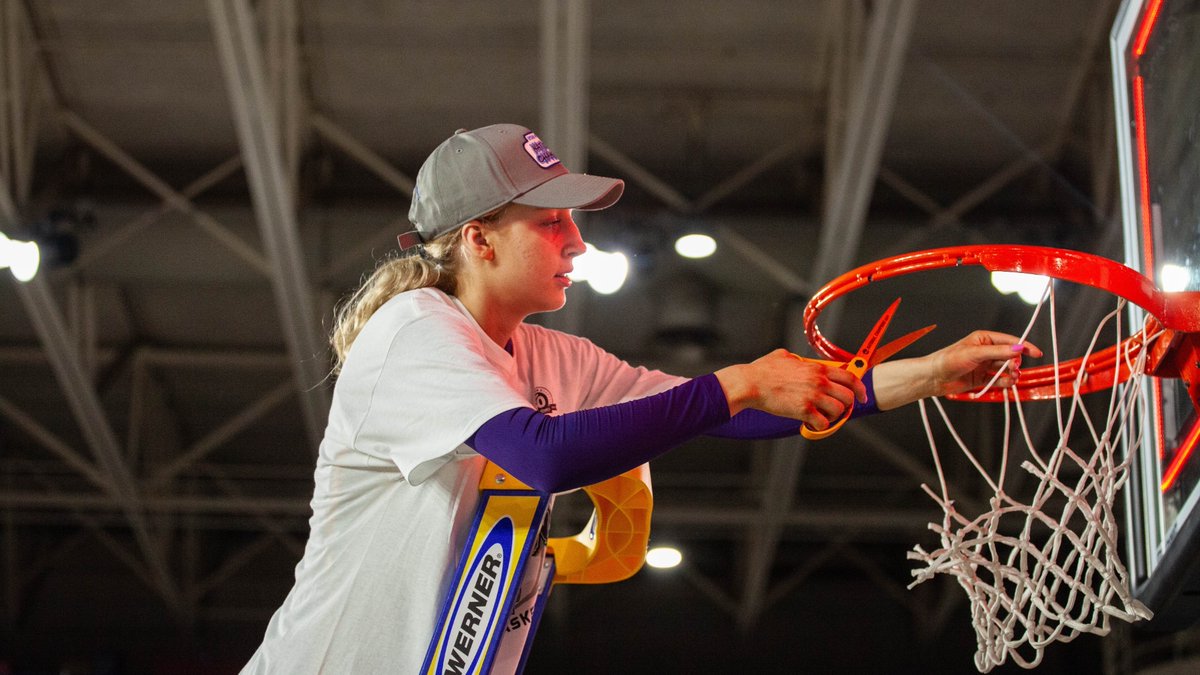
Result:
[475,241]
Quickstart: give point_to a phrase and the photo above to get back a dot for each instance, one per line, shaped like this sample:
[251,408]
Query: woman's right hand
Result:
[784,384]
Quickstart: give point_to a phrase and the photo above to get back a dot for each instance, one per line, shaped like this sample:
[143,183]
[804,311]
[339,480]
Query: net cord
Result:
[1056,576]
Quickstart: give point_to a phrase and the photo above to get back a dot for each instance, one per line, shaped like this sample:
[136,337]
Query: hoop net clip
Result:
[1177,355]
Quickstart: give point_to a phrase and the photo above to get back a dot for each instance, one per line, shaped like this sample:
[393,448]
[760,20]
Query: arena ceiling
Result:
[228,171]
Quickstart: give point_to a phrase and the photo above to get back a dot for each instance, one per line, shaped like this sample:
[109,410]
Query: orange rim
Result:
[1178,311]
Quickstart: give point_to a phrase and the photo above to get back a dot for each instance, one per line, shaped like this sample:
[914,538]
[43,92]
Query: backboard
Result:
[1156,83]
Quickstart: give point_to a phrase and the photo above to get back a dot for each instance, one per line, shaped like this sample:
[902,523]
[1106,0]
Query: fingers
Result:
[816,420]
[994,338]
[1031,349]
[999,354]
[834,398]
[1003,371]
[1002,353]
[832,407]
[850,381]
[1007,380]
[996,366]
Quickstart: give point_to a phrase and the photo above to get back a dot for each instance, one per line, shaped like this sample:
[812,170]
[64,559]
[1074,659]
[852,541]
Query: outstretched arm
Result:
[786,385]
[962,366]
[586,446]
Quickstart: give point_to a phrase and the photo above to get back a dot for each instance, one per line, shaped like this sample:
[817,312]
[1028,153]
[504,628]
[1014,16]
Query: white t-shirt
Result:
[395,486]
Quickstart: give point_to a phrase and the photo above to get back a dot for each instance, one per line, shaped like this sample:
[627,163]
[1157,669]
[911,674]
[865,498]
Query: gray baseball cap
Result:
[474,172]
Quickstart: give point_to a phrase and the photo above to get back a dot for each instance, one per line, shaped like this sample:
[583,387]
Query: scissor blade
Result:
[892,348]
[868,345]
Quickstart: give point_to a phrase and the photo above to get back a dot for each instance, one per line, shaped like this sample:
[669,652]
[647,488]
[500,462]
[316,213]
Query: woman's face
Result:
[533,252]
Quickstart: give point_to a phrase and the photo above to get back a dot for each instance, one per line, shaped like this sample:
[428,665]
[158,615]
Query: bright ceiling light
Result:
[695,245]
[1174,278]
[605,272]
[1029,287]
[663,557]
[21,257]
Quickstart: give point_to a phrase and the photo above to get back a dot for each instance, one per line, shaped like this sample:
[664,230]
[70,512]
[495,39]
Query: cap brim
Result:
[574,191]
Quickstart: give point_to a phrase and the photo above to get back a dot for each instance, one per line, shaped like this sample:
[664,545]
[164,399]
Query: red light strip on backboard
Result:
[1139,47]
[1139,114]
[1185,451]
[1160,427]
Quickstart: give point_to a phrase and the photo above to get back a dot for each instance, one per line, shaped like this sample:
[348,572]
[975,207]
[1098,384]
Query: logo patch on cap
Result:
[539,152]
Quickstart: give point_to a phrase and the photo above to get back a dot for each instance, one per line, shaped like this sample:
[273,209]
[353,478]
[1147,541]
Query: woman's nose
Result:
[572,240]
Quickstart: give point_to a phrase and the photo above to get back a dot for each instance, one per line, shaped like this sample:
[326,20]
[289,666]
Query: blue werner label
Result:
[476,608]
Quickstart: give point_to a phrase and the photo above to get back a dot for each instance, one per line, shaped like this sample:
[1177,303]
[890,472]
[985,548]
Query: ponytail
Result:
[436,265]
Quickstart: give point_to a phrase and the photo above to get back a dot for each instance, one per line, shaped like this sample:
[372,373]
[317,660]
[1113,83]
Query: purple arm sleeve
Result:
[587,446]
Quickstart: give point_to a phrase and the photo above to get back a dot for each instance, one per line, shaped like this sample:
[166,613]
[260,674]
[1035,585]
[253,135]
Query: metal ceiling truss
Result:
[261,124]
[116,480]
[72,352]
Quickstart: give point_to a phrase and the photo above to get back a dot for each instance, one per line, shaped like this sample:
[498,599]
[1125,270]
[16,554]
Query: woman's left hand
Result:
[972,361]
[965,365]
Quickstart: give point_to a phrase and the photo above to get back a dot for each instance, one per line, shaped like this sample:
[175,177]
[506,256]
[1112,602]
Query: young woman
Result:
[439,372]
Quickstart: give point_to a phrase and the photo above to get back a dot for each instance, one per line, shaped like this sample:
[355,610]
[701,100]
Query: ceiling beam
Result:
[781,273]
[352,257]
[676,201]
[810,565]
[112,240]
[902,459]
[871,98]
[18,118]
[564,31]
[219,436]
[102,144]
[271,192]
[357,150]
[747,174]
[635,173]
[85,404]
[283,75]
[170,357]
[58,447]
[276,528]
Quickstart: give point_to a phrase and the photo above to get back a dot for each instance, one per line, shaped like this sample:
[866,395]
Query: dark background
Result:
[157,533]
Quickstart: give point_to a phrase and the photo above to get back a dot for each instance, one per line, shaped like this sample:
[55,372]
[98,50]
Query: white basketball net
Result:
[1050,569]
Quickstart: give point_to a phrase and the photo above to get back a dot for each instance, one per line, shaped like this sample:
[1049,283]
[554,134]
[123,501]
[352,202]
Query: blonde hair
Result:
[437,266]
[436,263]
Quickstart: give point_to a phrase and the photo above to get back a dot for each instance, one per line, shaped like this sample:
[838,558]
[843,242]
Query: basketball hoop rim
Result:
[1178,311]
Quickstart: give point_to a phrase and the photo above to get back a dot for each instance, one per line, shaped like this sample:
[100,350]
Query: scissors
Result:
[867,357]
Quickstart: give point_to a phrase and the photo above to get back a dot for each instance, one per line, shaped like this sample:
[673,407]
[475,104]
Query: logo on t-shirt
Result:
[542,401]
